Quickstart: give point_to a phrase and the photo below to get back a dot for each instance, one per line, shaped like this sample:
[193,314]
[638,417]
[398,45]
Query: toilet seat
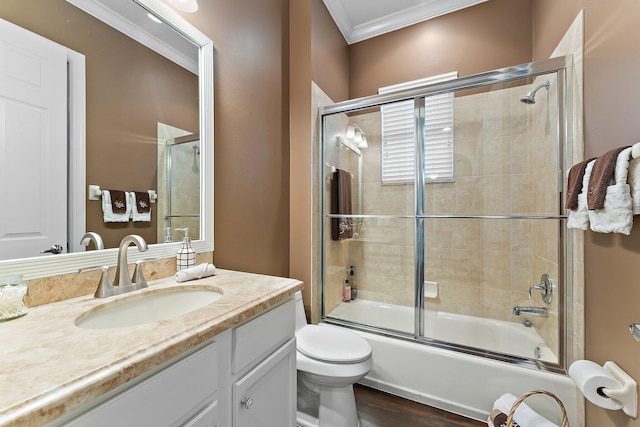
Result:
[332,345]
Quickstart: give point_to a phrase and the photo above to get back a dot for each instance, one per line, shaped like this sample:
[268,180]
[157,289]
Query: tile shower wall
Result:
[505,164]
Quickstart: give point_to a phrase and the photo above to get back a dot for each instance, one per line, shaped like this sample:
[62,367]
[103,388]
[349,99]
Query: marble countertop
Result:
[49,366]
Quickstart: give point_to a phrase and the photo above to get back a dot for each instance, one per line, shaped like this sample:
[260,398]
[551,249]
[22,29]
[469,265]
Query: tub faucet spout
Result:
[533,311]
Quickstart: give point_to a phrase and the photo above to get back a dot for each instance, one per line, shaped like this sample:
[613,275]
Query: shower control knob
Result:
[247,402]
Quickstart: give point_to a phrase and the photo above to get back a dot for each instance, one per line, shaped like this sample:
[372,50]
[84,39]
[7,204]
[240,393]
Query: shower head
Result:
[530,97]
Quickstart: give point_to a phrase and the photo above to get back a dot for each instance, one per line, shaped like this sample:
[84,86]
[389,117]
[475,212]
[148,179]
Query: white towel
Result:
[197,272]
[107,211]
[579,218]
[617,214]
[524,415]
[635,150]
[135,215]
[634,177]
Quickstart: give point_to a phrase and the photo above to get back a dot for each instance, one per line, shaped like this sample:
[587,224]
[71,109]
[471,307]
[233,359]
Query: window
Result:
[398,134]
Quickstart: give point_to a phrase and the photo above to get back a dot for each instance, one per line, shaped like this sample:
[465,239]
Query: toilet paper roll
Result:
[591,378]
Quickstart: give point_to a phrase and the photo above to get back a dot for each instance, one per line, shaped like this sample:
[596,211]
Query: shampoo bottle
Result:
[346,297]
[186,257]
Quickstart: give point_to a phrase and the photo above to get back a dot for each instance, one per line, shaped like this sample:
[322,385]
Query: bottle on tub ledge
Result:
[346,295]
[186,256]
[352,281]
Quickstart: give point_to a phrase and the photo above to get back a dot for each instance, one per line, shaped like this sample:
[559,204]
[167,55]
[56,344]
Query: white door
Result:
[33,143]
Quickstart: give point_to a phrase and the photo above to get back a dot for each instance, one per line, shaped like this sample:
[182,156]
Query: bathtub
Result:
[451,380]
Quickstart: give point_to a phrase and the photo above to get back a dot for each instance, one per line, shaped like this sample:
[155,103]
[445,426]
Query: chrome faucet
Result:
[97,240]
[123,283]
[533,311]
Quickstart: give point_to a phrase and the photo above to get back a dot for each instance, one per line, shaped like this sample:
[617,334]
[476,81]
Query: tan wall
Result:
[251,132]
[123,87]
[484,37]
[612,66]
[330,54]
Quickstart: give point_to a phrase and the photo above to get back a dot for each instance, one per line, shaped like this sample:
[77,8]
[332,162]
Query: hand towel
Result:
[635,150]
[601,177]
[579,217]
[119,202]
[524,415]
[341,228]
[140,206]
[574,183]
[634,182]
[616,216]
[197,272]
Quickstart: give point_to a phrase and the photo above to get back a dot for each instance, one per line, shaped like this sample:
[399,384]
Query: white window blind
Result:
[398,135]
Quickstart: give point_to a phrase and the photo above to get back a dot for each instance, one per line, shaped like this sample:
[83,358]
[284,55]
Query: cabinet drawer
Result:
[208,417]
[167,398]
[253,341]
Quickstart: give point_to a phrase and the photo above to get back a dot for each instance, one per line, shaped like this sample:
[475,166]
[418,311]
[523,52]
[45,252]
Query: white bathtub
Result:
[493,335]
[450,380]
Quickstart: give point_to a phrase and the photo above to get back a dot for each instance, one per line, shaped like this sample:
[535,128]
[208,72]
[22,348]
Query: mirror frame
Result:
[52,265]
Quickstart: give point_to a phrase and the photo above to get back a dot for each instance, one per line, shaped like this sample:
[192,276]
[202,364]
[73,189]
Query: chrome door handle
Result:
[55,249]
[247,402]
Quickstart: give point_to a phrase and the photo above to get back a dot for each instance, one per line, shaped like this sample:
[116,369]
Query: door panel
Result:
[33,143]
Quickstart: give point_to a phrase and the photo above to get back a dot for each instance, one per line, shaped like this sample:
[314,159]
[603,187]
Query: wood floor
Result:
[378,409]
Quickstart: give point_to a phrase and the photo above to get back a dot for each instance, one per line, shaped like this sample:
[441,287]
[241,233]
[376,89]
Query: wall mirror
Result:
[119,155]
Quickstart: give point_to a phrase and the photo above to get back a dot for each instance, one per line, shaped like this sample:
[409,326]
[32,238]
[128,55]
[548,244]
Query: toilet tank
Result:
[301,318]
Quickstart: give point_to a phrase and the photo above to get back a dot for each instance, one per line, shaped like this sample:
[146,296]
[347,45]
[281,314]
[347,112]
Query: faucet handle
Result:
[138,275]
[105,288]
[545,287]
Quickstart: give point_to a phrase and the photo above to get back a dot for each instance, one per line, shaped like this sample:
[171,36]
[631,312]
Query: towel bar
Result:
[95,193]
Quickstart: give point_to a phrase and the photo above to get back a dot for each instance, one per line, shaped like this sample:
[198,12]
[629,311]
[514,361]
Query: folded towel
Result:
[635,150]
[197,272]
[616,216]
[524,415]
[601,177]
[574,184]
[116,209]
[341,228]
[498,418]
[634,180]
[140,206]
[579,217]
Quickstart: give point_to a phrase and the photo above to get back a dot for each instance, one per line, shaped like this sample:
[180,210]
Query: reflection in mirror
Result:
[128,91]
[178,183]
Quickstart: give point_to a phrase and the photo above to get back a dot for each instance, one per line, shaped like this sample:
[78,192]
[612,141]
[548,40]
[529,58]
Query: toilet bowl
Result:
[329,360]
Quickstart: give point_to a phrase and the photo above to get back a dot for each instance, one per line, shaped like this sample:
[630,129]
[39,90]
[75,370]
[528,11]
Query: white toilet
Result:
[330,360]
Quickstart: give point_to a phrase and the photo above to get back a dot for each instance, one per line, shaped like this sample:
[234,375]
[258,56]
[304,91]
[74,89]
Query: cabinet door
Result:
[266,396]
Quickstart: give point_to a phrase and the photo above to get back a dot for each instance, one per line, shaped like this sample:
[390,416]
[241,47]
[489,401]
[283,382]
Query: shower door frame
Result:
[562,66]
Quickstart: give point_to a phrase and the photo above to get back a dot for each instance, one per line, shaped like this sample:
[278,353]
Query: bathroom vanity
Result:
[230,363]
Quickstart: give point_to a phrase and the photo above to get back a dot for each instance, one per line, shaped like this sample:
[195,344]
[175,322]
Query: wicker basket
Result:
[509,421]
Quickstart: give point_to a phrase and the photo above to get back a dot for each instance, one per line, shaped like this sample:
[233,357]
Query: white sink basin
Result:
[147,308]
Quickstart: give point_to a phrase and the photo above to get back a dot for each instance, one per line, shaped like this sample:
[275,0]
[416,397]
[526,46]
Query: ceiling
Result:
[363,19]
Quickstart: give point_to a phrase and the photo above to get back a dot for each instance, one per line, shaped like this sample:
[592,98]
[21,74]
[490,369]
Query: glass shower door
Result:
[377,256]
[458,260]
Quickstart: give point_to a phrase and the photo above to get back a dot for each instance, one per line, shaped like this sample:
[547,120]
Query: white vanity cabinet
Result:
[245,377]
[182,394]
[263,372]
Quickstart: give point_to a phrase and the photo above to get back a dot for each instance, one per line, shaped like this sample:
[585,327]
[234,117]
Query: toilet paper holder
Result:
[626,394]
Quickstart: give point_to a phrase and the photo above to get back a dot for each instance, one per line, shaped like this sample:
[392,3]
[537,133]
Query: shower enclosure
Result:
[452,214]
[179,187]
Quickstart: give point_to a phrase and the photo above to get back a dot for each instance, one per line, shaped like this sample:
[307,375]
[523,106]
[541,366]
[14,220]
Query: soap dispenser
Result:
[186,256]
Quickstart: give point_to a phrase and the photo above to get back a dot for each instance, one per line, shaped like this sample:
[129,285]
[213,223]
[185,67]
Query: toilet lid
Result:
[332,345]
